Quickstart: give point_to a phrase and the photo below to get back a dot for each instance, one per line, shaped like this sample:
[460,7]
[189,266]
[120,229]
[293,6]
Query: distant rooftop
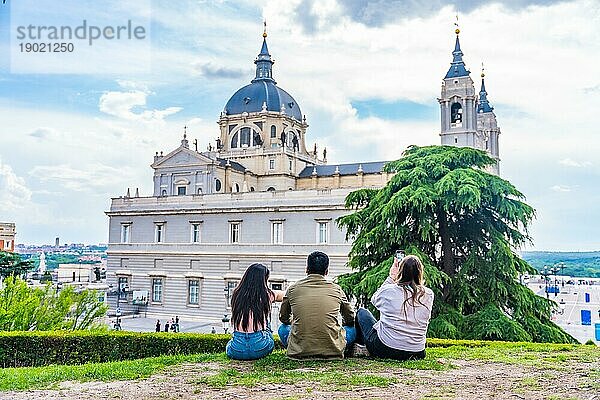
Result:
[344,169]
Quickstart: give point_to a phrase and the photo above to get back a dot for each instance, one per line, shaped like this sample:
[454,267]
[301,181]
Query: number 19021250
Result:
[47,47]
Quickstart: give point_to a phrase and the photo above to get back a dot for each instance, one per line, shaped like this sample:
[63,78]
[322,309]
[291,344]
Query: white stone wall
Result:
[214,260]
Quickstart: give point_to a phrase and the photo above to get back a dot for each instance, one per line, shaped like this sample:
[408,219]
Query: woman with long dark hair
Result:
[250,314]
[404,304]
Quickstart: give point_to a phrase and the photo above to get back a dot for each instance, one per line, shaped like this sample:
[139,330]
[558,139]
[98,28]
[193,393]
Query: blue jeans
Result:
[284,334]
[250,346]
[367,335]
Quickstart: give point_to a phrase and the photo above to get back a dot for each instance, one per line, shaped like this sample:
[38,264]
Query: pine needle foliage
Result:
[466,225]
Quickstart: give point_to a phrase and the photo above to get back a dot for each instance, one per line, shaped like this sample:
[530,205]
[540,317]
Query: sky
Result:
[79,130]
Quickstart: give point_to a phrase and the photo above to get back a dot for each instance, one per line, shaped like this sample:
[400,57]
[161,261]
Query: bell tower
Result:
[458,103]
[487,126]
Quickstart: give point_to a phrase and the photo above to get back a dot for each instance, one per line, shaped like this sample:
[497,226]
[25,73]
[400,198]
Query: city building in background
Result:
[8,231]
[260,194]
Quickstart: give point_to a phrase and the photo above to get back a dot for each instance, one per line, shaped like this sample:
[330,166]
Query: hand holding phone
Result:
[395,268]
[399,255]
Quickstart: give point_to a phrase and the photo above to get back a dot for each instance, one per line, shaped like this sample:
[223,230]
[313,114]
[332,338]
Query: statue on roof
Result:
[283,137]
[257,139]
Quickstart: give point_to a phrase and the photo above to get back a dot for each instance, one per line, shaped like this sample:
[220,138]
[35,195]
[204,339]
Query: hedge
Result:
[27,349]
[32,349]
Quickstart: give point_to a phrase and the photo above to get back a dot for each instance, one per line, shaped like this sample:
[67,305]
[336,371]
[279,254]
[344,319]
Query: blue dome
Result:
[250,99]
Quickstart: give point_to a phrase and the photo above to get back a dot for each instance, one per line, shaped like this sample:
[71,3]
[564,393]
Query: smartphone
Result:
[399,255]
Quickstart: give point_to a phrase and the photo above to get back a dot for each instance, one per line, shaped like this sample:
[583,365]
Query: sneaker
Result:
[359,350]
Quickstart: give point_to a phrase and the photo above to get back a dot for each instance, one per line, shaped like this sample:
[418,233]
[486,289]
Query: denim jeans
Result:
[284,334]
[250,346]
[367,335]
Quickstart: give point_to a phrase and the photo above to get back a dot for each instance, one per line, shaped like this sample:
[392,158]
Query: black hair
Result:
[252,297]
[317,263]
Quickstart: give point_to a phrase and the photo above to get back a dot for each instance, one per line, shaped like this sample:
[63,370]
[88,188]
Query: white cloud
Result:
[561,188]
[86,178]
[572,163]
[44,133]
[121,105]
[14,193]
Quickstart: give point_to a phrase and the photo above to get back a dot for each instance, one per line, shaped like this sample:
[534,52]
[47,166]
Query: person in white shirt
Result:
[404,304]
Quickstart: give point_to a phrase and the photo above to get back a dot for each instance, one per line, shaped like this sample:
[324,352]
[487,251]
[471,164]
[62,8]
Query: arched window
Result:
[245,137]
[163,193]
[456,114]
[273,132]
[217,185]
[252,188]
[271,189]
[199,190]
[234,141]
[237,187]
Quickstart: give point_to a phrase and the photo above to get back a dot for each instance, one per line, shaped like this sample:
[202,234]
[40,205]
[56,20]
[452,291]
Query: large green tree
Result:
[466,225]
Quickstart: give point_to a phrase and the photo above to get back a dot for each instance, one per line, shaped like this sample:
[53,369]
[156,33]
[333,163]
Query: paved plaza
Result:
[570,301]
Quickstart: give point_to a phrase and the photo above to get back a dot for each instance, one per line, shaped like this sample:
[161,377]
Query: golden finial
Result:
[265,28]
[482,71]
[457,30]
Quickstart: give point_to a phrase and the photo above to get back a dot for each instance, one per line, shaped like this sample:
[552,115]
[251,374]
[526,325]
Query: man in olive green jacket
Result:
[310,315]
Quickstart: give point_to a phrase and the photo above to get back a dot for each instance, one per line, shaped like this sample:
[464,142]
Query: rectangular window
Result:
[271,164]
[159,236]
[193,291]
[195,233]
[157,290]
[230,285]
[122,288]
[125,230]
[277,232]
[290,165]
[323,232]
[234,232]
[181,190]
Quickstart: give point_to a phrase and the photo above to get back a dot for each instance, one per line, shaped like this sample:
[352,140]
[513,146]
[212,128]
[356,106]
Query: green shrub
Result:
[492,324]
[24,349]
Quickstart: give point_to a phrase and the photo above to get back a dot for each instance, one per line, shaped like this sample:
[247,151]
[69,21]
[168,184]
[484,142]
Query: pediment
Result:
[182,157]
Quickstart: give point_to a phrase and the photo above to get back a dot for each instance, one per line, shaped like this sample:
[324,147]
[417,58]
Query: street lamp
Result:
[545,274]
[555,270]
[225,322]
[561,265]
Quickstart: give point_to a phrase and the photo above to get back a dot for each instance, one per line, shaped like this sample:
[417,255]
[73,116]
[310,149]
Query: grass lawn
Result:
[214,372]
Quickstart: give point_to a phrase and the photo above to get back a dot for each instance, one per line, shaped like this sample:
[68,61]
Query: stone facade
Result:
[258,195]
[7,236]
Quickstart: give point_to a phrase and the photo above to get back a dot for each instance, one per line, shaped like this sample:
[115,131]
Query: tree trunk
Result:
[447,253]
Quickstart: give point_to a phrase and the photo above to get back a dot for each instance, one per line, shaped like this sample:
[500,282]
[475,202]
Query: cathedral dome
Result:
[252,98]
[263,91]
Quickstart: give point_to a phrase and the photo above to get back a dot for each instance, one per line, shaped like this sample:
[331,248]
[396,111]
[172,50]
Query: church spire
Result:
[457,67]
[484,104]
[264,63]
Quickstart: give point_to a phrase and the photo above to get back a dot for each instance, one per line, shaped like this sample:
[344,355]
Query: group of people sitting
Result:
[311,309]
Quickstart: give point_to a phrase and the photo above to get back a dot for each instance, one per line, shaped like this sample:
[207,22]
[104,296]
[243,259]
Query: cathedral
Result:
[259,194]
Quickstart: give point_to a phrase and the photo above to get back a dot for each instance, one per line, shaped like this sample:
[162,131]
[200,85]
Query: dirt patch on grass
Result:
[467,380]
